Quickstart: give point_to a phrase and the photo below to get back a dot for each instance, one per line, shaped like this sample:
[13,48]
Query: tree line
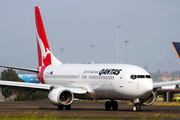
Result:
[11,75]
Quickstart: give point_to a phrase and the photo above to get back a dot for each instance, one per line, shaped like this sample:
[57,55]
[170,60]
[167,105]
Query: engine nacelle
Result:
[150,100]
[61,96]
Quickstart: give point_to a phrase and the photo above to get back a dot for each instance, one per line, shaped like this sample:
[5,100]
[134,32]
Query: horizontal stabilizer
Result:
[176,46]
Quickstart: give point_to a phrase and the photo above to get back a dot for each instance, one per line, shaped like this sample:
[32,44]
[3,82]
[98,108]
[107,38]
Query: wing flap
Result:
[161,84]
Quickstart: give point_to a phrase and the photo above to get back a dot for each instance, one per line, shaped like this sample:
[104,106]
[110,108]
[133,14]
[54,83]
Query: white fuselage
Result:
[104,81]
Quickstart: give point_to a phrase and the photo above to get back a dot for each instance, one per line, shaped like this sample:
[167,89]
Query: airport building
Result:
[168,95]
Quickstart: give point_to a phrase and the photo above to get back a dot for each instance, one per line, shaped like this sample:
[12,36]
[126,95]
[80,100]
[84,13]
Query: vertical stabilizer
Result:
[45,57]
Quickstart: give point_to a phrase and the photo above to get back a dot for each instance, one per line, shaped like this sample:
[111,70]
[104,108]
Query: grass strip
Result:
[56,116]
[82,118]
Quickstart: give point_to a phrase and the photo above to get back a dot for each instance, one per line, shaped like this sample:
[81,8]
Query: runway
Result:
[86,109]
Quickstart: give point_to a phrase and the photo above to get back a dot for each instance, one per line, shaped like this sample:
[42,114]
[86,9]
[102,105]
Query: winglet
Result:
[176,46]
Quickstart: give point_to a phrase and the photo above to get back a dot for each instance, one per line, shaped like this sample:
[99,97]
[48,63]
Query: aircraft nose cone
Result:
[149,85]
[146,87]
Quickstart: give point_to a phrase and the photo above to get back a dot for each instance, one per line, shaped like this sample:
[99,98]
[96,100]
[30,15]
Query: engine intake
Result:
[150,100]
[61,96]
[65,97]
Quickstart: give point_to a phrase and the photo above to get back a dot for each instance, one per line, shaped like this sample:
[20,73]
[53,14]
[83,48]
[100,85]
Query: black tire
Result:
[107,105]
[68,107]
[60,107]
[115,105]
[139,108]
[135,108]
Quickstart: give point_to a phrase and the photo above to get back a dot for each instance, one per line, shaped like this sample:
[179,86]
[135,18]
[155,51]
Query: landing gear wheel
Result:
[139,107]
[68,107]
[114,105]
[60,107]
[107,105]
[135,108]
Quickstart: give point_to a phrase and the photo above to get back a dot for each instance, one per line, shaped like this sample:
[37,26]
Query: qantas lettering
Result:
[110,71]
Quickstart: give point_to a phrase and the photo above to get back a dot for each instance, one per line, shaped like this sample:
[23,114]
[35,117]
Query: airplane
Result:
[66,82]
[176,46]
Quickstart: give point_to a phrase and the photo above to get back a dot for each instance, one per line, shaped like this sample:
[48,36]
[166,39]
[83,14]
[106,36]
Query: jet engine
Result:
[61,96]
[150,100]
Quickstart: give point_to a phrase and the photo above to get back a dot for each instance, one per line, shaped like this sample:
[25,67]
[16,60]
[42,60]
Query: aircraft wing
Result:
[161,84]
[20,68]
[32,87]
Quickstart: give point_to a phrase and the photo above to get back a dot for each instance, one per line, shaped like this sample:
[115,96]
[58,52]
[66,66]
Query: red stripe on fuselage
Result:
[41,74]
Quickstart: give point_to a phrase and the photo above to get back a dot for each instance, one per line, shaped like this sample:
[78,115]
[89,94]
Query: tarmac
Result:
[90,108]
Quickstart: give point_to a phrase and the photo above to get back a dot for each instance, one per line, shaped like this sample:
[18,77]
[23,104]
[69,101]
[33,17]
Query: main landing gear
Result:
[112,104]
[67,107]
[136,107]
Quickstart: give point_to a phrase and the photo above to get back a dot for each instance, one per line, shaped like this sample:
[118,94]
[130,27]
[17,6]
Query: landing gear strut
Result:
[112,104]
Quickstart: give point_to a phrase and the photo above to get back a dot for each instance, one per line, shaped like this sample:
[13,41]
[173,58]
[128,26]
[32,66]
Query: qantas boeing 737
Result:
[64,82]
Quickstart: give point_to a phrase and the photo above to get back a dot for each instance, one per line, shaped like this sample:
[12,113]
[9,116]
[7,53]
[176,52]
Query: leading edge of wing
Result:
[161,84]
[20,68]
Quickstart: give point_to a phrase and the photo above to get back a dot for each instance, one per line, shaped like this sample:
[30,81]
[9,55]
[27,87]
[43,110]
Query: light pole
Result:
[92,45]
[62,54]
[118,26]
[126,41]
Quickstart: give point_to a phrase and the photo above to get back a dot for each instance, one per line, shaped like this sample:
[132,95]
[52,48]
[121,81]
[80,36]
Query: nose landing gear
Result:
[136,107]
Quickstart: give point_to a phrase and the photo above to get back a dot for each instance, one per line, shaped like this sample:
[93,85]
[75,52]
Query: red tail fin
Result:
[45,57]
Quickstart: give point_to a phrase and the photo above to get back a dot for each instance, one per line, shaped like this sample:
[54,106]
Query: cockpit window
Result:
[139,76]
[148,76]
[133,77]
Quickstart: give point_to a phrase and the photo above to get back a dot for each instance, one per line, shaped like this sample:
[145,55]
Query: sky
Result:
[149,25]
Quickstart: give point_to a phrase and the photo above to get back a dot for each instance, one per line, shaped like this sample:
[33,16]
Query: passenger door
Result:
[121,78]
